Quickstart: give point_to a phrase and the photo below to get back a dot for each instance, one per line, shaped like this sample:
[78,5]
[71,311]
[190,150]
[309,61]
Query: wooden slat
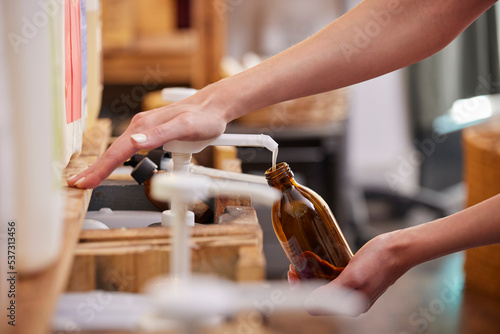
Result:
[209,20]
[38,293]
[155,16]
[197,242]
[153,233]
[188,55]
[126,261]
[85,280]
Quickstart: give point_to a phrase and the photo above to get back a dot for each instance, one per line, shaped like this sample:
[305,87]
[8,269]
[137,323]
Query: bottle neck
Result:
[281,177]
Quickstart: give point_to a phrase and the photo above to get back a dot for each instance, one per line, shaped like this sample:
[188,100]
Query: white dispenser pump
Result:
[182,150]
[226,139]
[179,189]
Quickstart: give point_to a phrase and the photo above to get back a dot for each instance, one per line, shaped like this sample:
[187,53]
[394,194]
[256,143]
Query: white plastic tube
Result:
[175,94]
[212,172]
[226,139]
[179,189]
[261,140]
[181,162]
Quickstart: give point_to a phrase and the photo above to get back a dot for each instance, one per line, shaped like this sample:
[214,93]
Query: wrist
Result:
[401,247]
[229,98]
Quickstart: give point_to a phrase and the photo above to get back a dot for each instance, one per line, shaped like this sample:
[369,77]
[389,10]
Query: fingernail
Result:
[139,138]
[77,184]
[72,177]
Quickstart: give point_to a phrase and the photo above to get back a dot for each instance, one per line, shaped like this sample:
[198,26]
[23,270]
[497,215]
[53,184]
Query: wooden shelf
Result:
[132,46]
[181,42]
[38,293]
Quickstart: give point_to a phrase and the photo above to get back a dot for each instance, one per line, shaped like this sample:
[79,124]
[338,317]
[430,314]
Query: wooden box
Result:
[482,175]
[125,259]
[143,46]
[125,21]
[318,109]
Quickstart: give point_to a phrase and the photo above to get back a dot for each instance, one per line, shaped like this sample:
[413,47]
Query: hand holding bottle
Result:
[385,258]
[306,228]
[372,270]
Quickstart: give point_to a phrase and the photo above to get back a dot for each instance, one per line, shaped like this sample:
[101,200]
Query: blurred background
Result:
[369,150]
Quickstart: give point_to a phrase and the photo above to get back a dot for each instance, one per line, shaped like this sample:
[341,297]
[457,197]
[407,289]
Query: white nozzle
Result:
[184,188]
[168,218]
[226,139]
[181,162]
[175,94]
[259,193]
[179,189]
[223,174]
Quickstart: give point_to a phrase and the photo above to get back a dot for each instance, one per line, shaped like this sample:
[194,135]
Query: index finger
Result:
[121,150]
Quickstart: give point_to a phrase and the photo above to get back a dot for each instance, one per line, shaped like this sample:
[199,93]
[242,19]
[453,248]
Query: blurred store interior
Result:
[387,167]
[371,151]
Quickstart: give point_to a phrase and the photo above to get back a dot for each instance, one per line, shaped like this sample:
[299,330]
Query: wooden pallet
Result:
[125,259]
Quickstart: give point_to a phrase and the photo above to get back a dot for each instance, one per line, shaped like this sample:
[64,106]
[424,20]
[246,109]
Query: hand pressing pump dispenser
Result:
[182,150]
[306,228]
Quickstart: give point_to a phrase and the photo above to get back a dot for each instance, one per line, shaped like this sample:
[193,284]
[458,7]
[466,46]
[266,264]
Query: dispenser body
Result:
[307,229]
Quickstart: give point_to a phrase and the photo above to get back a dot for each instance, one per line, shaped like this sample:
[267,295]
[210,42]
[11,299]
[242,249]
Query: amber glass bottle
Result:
[306,228]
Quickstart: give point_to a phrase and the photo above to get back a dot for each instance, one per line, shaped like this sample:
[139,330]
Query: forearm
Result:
[376,37]
[473,227]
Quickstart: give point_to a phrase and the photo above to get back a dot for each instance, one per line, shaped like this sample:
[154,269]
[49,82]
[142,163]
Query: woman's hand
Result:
[379,263]
[199,117]
[373,269]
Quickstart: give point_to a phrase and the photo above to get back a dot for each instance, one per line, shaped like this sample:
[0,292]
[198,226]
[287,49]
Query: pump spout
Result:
[180,189]
[175,94]
[226,139]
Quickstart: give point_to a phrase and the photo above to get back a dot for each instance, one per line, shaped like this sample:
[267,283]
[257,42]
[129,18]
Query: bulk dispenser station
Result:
[214,271]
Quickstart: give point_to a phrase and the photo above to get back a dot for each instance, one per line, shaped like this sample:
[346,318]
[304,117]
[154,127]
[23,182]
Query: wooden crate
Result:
[482,175]
[124,260]
[318,109]
[124,21]
[142,45]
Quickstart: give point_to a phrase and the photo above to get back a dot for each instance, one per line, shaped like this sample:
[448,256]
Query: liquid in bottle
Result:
[306,228]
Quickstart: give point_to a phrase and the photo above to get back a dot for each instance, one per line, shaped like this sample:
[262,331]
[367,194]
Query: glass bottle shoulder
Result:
[307,197]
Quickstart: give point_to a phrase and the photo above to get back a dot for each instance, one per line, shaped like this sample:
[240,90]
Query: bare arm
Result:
[376,37]
[378,264]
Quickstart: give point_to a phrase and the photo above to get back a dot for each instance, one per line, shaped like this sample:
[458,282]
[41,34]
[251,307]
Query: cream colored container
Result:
[32,98]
